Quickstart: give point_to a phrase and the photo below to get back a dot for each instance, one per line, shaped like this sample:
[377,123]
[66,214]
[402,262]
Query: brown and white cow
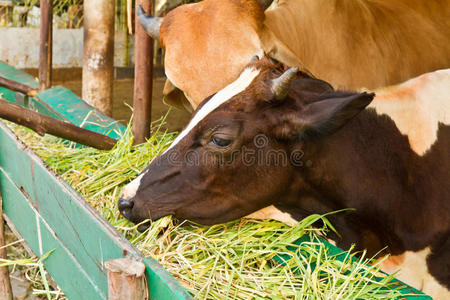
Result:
[352,44]
[295,145]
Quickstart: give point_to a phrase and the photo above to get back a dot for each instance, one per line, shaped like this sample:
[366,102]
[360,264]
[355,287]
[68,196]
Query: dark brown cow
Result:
[296,144]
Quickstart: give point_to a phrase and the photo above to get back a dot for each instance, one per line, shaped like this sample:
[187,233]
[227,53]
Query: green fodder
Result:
[232,260]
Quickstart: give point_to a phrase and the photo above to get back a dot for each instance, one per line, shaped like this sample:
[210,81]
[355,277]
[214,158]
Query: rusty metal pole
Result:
[45,47]
[143,77]
[98,54]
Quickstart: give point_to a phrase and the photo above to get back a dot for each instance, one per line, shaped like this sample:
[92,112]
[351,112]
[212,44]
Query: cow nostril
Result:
[125,206]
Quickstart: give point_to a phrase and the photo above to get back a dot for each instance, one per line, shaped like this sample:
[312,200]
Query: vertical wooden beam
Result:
[143,77]
[98,54]
[5,284]
[126,279]
[46,43]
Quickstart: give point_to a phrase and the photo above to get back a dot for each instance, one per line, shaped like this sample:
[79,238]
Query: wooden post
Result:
[126,279]
[98,54]
[143,77]
[45,47]
[5,284]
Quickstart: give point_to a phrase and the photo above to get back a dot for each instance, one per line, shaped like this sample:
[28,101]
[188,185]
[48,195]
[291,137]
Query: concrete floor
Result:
[123,96]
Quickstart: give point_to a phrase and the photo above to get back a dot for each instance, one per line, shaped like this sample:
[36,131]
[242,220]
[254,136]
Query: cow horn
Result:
[150,24]
[281,85]
[254,58]
[265,3]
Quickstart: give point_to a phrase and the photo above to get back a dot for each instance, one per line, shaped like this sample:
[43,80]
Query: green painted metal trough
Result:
[51,216]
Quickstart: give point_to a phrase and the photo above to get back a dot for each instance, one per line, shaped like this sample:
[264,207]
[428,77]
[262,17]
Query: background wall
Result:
[19,47]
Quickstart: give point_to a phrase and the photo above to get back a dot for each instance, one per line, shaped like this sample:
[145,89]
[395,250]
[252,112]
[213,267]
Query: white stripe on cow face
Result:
[244,80]
[417,106]
[129,191]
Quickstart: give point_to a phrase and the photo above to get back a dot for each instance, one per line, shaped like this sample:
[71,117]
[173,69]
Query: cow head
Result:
[240,151]
[208,44]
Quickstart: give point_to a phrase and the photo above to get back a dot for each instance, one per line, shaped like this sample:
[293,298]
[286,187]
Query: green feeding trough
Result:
[51,216]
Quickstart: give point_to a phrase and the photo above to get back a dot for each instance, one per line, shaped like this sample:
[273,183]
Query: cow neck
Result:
[368,158]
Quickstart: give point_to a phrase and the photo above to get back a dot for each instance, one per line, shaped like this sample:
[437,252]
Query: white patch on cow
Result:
[417,106]
[129,191]
[412,269]
[271,212]
[244,80]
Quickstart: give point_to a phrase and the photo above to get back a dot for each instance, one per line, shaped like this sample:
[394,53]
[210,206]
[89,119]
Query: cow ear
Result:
[173,96]
[321,117]
[327,115]
[313,85]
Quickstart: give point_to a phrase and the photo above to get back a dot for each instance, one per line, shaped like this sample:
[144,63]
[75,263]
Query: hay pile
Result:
[233,260]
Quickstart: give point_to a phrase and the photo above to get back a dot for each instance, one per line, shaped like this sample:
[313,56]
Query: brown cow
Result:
[352,44]
[298,146]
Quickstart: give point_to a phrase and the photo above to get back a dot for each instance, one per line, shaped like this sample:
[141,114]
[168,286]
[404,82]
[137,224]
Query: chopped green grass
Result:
[233,260]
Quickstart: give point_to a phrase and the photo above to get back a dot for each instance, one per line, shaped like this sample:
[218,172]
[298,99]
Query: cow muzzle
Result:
[125,207]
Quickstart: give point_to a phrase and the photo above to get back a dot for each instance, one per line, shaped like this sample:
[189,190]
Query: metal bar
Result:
[143,78]
[45,47]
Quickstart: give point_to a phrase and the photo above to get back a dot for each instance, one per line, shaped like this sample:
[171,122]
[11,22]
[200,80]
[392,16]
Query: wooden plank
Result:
[88,238]
[61,103]
[42,239]
[157,276]
[8,94]
[12,73]
[75,110]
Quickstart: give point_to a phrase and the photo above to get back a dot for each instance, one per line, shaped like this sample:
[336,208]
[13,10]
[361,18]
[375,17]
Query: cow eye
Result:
[220,142]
